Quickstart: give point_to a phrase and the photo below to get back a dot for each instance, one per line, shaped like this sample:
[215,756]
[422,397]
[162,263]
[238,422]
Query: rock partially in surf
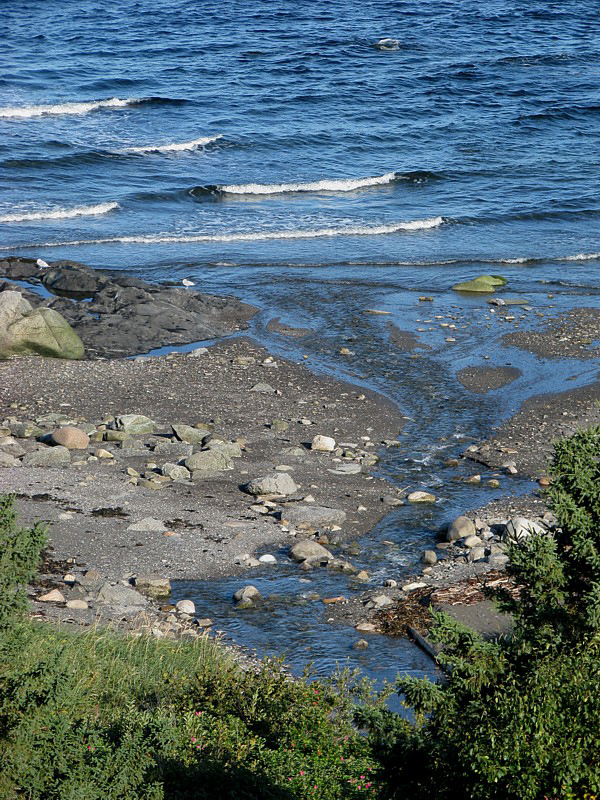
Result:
[482,283]
[387,43]
[70,279]
[25,331]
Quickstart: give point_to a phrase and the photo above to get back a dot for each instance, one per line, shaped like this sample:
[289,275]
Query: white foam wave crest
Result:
[415,225]
[174,147]
[65,108]
[315,186]
[60,213]
[583,257]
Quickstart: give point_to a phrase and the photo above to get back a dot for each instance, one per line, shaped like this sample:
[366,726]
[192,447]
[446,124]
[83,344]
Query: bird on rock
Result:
[187,283]
[42,264]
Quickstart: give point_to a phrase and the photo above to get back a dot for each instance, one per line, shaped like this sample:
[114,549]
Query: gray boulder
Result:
[312,517]
[518,529]
[208,461]
[277,483]
[461,528]
[309,550]
[189,435]
[48,457]
[26,331]
[132,423]
[122,598]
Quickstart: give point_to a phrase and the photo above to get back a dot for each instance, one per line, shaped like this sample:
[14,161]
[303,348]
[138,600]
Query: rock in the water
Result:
[189,435]
[325,444]
[185,607]
[247,596]
[48,457]
[461,528]
[278,483]
[122,598]
[42,331]
[310,517]
[208,461]
[148,524]
[309,550]
[421,497]
[482,283]
[133,423]
[267,559]
[54,596]
[70,437]
[361,644]
[153,585]
[520,528]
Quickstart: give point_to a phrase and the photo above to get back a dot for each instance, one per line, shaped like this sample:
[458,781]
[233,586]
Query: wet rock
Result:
[309,550]
[363,575]
[133,423]
[360,644]
[483,283]
[247,597]
[312,517]
[461,528]
[267,559]
[57,456]
[70,437]
[279,483]
[421,497]
[325,444]
[185,607]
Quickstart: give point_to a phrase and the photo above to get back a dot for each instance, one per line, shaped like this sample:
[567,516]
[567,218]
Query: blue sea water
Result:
[317,159]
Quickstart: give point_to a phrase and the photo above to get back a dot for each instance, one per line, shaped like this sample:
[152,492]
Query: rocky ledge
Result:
[116,315]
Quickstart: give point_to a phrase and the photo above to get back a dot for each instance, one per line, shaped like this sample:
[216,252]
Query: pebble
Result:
[322,443]
[77,604]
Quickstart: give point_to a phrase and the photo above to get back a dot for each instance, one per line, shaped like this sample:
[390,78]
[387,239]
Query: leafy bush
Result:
[97,716]
[517,719]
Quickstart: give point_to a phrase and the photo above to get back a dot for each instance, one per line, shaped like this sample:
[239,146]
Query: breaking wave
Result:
[173,147]
[344,185]
[25,112]
[60,213]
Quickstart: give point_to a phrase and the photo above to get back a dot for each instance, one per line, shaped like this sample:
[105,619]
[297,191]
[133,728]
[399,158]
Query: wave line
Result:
[61,213]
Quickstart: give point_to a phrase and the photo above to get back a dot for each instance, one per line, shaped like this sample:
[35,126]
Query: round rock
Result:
[461,528]
[70,437]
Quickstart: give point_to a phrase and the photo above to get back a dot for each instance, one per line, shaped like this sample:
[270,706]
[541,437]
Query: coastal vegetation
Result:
[103,715]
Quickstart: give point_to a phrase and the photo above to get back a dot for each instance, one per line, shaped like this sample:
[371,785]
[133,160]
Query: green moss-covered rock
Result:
[482,283]
[26,331]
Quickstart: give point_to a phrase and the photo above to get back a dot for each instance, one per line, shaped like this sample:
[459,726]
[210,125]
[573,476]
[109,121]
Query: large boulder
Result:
[73,280]
[313,517]
[309,550]
[25,331]
[208,461]
[277,483]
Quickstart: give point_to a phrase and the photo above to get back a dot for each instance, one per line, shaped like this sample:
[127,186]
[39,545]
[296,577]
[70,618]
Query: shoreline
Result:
[268,407]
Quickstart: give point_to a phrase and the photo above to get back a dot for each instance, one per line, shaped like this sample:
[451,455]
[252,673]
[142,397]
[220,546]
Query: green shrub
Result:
[97,716]
[517,719]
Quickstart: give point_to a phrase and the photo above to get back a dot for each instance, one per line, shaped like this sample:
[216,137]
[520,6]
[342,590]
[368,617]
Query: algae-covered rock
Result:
[26,331]
[482,283]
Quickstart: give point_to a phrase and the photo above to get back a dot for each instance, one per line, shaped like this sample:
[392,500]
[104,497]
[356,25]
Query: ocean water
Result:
[318,159]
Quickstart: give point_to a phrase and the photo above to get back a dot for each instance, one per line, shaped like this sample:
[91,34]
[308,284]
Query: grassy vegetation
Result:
[85,717]
[97,715]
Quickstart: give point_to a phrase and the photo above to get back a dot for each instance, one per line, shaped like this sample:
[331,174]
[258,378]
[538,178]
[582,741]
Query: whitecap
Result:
[343,185]
[60,213]
[583,257]
[173,147]
[65,108]
[377,230]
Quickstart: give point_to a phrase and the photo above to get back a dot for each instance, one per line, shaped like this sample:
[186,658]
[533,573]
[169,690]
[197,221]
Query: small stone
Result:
[421,497]
[474,479]
[102,453]
[267,559]
[493,483]
[390,583]
[325,444]
[472,541]
[53,596]
[544,481]
[249,594]
[411,587]
[328,601]
[263,388]
[365,627]
[185,607]
[153,585]
[360,644]
[6,460]
[429,557]
[176,472]
[69,579]
[77,604]
[309,550]
[155,485]
[197,352]
[476,554]
[363,575]
[345,352]
[71,438]
[381,600]
[148,524]
[280,425]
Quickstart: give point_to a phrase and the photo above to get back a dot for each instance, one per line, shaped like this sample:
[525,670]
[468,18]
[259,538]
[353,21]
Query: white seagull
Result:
[42,264]
[187,283]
